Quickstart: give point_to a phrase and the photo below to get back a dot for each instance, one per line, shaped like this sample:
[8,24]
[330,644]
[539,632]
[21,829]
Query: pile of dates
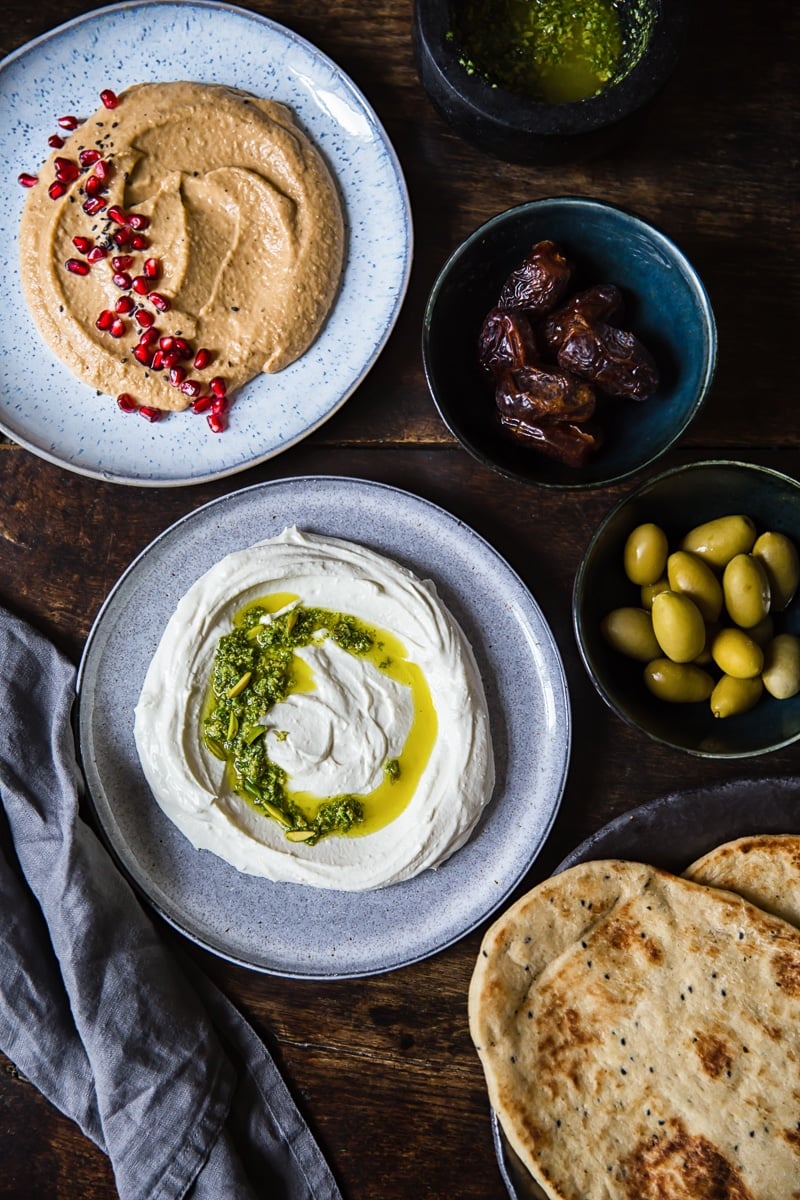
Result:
[705,625]
[548,355]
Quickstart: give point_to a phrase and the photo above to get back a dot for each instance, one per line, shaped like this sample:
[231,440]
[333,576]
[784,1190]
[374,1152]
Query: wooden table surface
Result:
[382,1067]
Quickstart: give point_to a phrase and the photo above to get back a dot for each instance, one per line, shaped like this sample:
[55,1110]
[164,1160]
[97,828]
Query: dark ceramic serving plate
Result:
[666,306]
[671,833]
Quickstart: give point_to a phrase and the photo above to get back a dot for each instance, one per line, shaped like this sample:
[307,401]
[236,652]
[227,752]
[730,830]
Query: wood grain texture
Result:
[382,1067]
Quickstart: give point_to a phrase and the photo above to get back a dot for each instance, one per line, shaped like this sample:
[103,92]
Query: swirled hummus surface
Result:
[233,203]
[402,727]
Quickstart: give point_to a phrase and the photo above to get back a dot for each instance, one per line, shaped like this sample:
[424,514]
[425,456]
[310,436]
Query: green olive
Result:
[679,627]
[737,654]
[630,631]
[779,558]
[733,696]
[649,591]
[677,683]
[746,589]
[717,541]
[645,553]
[694,578]
[781,675]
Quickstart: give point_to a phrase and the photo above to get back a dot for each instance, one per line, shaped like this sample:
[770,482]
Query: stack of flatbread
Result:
[640,1032]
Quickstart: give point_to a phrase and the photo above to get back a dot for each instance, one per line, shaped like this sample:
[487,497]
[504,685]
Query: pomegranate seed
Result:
[87,158]
[138,221]
[77,267]
[171,358]
[94,205]
[177,376]
[167,342]
[110,99]
[159,301]
[27,180]
[94,186]
[97,254]
[83,244]
[202,358]
[144,318]
[55,141]
[201,404]
[66,170]
[219,404]
[192,388]
[151,414]
[56,190]
[139,241]
[69,122]
[217,422]
[126,402]
[141,285]
[118,327]
[121,262]
[105,320]
[152,268]
[116,214]
[143,354]
[148,336]
[218,386]
[158,360]
[122,237]
[183,348]
[103,170]
[122,279]
[124,305]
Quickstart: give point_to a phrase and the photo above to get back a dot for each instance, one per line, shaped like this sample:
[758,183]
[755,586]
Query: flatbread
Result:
[640,1037]
[765,869]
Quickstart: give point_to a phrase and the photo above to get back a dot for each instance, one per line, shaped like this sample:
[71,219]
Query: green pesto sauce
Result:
[252,671]
[555,51]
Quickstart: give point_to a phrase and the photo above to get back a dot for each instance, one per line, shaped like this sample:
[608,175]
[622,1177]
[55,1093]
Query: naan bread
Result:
[765,869]
[640,1036]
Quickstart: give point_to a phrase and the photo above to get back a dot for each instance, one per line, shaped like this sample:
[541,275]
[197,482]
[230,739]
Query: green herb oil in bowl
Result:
[555,51]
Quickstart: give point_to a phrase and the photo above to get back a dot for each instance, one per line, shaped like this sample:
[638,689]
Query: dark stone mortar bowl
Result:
[528,131]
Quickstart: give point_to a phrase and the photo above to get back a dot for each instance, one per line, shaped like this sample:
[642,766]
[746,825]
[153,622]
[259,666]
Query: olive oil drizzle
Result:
[255,667]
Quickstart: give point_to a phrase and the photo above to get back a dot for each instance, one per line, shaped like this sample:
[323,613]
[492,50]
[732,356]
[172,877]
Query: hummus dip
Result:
[415,703]
[229,199]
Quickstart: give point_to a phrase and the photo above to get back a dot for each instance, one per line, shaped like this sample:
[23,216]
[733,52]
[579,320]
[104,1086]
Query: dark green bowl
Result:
[678,500]
[666,307]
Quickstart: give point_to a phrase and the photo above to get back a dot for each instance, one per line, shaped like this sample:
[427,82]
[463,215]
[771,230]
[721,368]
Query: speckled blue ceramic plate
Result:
[671,832]
[42,405]
[299,931]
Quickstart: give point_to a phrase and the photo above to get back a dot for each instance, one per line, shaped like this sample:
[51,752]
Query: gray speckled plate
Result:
[47,409]
[299,931]
[671,833]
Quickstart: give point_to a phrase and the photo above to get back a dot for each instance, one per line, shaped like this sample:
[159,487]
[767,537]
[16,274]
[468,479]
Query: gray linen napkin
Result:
[134,1044]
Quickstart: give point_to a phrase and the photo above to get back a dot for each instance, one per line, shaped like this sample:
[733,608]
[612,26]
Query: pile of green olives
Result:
[704,625]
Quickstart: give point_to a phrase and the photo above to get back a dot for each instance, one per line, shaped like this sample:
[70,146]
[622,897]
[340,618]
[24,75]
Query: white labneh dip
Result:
[334,735]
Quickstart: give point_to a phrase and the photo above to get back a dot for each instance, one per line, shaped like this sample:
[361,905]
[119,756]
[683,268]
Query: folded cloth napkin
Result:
[128,1039]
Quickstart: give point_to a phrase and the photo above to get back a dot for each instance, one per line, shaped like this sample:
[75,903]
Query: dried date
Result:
[614,360]
[540,281]
[573,445]
[544,394]
[601,303]
[506,340]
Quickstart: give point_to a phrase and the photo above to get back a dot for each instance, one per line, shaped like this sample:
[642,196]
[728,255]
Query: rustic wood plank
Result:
[382,1067]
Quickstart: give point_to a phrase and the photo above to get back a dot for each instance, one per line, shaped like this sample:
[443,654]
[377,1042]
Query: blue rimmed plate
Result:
[47,409]
[305,932]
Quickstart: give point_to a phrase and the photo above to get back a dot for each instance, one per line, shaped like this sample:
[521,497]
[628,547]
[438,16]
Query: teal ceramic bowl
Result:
[678,500]
[666,306]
